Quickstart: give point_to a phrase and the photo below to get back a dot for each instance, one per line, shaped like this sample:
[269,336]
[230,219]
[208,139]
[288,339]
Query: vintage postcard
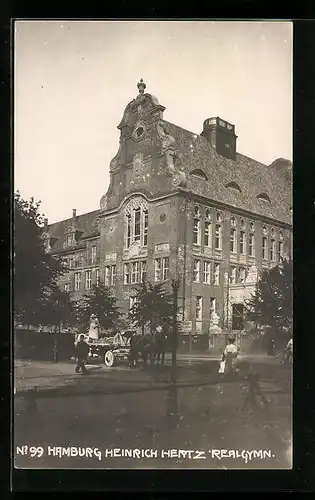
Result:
[153,245]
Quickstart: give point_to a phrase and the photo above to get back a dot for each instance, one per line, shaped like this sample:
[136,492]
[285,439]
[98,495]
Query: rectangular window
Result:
[233,240]
[242,242]
[233,275]
[207,272]
[145,228]
[135,272]
[198,308]
[77,281]
[272,250]
[97,277]
[196,233]
[88,280]
[208,235]
[196,275]
[264,247]
[251,248]
[113,275]
[107,275]
[212,305]
[216,274]
[166,268]
[126,274]
[137,224]
[128,234]
[71,261]
[218,237]
[157,270]
[242,275]
[93,254]
[143,270]
[67,287]
[280,250]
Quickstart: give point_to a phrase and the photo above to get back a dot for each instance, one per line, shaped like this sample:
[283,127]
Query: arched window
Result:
[233,185]
[264,197]
[208,229]
[196,226]
[136,222]
[199,173]
[218,232]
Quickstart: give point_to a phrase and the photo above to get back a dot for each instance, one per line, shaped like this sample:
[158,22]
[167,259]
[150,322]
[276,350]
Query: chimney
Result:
[45,225]
[221,135]
[74,214]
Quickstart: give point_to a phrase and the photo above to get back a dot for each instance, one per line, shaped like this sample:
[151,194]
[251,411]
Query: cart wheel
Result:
[109,359]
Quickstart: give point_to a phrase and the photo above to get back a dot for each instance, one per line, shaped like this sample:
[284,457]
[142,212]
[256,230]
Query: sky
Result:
[73,80]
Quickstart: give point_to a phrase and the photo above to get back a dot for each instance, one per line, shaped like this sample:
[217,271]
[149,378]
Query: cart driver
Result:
[119,339]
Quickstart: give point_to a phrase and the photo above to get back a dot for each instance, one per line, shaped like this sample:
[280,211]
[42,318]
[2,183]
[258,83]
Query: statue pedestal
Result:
[213,330]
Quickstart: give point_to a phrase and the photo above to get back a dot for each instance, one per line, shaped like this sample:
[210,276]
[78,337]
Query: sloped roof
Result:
[253,177]
[84,224]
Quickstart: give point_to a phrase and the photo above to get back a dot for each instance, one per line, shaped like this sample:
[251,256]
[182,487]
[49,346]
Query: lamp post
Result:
[172,408]
[226,278]
[175,287]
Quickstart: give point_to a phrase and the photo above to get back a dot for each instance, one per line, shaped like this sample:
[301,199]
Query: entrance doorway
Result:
[238,317]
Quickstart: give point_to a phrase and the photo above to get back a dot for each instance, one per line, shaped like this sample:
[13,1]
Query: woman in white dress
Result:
[230,357]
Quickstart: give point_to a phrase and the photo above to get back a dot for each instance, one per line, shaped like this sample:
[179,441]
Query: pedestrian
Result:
[160,345]
[134,347]
[253,390]
[81,352]
[230,357]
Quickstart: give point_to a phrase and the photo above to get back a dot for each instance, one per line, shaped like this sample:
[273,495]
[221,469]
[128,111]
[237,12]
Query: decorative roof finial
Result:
[141,86]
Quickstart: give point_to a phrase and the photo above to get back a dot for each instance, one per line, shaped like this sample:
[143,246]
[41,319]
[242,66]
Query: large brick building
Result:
[180,205]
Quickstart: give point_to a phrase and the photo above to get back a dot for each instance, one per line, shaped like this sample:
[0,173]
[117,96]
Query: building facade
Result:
[180,205]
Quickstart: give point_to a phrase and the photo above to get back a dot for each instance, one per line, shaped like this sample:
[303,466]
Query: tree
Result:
[101,302]
[153,306]
[271,304]
[35,271]
[57,309]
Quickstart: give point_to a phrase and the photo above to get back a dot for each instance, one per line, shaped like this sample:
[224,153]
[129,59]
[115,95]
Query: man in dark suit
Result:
[81,352]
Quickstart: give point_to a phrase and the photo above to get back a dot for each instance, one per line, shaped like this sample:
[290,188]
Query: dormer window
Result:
[264,197]
[234,186]
[199,173]
[70,239]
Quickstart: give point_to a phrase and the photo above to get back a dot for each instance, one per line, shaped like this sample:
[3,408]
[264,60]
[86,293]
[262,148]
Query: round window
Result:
[139,131]
[162,217]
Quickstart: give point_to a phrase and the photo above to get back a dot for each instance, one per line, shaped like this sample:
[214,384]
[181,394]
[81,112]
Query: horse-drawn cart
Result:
[108,350]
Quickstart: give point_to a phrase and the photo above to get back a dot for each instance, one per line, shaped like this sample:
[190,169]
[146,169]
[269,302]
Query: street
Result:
[133,409]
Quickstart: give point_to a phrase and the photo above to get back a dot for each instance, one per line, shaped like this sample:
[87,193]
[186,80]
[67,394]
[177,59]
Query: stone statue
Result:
[94,327]
[214,320]
[169,150]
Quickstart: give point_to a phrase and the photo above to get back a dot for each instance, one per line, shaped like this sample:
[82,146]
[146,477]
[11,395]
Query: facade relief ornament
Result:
[103,202]
[162,247]
[136,202]
[138,165]
[111,256]
[170,151]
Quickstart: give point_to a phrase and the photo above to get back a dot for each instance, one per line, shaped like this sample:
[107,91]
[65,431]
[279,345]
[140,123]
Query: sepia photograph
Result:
[153,244]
